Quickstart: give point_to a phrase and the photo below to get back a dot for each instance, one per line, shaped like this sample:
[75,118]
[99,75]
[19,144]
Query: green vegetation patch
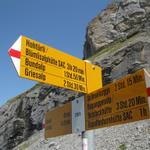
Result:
[24,146]
[122,147]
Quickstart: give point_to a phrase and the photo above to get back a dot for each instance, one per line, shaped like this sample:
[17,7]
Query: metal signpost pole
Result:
[88,140]
[88,136]
[84,141]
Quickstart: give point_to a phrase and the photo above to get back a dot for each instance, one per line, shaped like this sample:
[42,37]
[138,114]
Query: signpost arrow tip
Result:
[15,54]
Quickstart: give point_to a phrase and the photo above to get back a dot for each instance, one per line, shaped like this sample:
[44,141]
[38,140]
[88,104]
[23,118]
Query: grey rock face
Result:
[118,22]
[126,60]
[20,117]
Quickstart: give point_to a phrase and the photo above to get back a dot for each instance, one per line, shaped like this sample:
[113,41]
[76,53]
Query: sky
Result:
[57,23]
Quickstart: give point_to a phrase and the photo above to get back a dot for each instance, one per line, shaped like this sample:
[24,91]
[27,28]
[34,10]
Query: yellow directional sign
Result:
[58,121]
[67,119]
[46,64]
[123,101]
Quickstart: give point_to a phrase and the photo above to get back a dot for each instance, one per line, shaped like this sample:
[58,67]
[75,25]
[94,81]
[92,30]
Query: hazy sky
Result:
[58,23]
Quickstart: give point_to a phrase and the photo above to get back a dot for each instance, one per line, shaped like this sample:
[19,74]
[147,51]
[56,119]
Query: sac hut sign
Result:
[126,100]
[36,61]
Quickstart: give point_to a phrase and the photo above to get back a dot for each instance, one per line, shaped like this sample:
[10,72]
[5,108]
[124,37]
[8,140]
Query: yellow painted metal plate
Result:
[94,77]
[49,65]
[58,121]
[124,101]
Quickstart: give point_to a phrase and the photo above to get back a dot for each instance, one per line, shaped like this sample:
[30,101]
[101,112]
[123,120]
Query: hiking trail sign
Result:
[36,61]
[123,101]
[126,100]
[58,121]
[66,119]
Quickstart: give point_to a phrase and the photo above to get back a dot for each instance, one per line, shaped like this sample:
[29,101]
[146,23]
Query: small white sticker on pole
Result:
[78,115]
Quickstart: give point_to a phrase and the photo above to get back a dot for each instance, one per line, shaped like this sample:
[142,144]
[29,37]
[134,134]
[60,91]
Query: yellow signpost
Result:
[49,65]
[58,121]
[123,101]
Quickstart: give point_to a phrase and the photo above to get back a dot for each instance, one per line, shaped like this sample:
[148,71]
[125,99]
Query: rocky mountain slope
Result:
[121,21]
[118,40]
